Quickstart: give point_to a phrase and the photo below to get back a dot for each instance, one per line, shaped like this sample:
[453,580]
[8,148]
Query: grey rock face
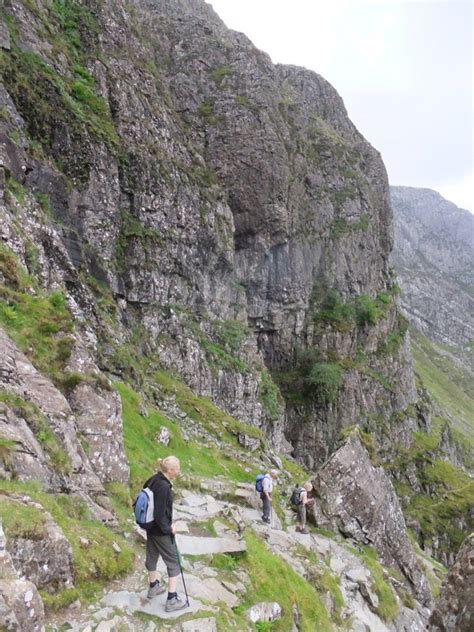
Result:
[19,378]
[454,611]
[434,258]
[99,420]
[46,561]
[244,185]
[359,500]
[21,607]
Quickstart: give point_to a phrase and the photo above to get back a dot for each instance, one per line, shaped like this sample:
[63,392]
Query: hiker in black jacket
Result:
[160,538]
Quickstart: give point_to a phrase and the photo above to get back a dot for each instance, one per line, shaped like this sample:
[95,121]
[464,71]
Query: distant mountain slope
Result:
[448,380]
[433,255]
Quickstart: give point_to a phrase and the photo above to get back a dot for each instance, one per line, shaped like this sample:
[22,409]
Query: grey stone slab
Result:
[193,500]
[210,590]
[190,545]
[357,574]
[137,602]
[199,625]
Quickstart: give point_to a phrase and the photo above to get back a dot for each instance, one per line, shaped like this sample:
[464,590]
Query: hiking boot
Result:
[266,520]
[157,589]
[175,604]
[303,530]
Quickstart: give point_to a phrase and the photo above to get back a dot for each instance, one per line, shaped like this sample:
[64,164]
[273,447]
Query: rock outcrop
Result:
[359,500]
[44,558]
[21,607]
[62,462]
[454,611]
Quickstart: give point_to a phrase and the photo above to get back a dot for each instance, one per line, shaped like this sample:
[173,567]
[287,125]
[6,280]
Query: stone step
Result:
[192,545]
[138,602]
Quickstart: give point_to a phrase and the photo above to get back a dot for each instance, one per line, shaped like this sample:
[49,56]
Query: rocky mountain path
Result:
[208,526]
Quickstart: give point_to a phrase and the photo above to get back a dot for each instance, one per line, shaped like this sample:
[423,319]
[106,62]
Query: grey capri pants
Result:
[163,545]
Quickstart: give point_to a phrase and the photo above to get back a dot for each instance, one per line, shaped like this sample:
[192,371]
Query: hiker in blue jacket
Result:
[266,495]
[160,537]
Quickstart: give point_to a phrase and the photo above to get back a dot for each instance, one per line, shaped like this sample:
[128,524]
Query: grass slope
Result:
[449,385]
[143,450]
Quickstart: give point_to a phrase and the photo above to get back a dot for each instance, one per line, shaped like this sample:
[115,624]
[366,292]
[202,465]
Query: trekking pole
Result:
[181,569]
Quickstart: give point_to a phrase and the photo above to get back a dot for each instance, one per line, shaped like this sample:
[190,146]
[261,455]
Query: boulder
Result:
[359,500]
[192,500]
[248,442]
[163,436]
[369,595]
[264,611]
[454,611]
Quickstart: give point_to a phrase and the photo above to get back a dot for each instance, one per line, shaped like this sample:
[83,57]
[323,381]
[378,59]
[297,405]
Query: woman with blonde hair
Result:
[160,537]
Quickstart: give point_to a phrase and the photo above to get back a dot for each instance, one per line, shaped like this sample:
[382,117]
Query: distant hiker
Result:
[156,503]
[264,485]
[301,502]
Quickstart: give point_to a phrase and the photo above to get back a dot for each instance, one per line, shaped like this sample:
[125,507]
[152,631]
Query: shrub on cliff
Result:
[323,382]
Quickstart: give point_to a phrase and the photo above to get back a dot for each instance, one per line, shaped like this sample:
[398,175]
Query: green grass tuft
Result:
[38,323]
[273,580]
[388,606]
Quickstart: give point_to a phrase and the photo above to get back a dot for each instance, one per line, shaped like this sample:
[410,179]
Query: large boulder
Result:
[454,611]
[359,500]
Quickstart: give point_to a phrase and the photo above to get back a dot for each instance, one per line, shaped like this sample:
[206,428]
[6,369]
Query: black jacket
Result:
[163,502]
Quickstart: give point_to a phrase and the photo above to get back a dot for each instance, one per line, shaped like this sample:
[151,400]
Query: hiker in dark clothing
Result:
[160,537]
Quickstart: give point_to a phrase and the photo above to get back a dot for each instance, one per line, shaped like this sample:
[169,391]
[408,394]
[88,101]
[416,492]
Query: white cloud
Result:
[460,192]
[403,68]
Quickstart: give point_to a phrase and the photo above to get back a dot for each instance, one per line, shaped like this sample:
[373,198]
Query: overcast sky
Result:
[404,69]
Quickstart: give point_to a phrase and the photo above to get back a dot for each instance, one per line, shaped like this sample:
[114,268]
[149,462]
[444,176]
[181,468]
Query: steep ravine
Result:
[193,239]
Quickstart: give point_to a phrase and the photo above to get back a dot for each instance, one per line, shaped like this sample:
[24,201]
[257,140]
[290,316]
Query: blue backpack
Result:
[259,482]
[143,508]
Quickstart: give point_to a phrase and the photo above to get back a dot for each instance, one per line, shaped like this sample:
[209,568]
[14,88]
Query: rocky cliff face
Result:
[239,219]
[434,260]
[454,611]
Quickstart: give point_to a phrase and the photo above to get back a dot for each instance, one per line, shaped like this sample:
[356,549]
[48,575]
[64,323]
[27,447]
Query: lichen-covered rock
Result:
[359,500]
[454,610]
[22,456]
[98,414]
[43,558]
[21,607]
[264,611]
[19,378]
